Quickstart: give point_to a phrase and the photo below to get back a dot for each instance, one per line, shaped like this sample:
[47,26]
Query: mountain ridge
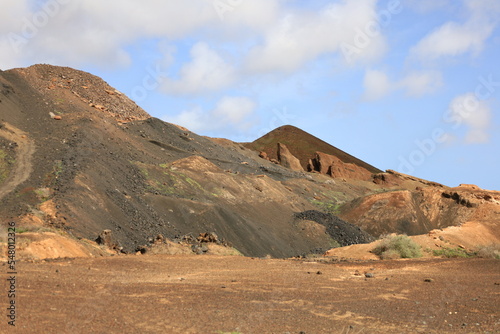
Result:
[101,163]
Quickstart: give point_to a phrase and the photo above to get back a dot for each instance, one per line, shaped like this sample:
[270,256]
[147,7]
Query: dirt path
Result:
[214,295]
[24,152]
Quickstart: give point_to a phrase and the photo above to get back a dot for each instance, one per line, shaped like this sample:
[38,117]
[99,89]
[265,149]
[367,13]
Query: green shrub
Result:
[452,252]
[397,246]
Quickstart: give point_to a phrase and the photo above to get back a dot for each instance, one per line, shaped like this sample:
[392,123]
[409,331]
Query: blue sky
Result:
[409,85]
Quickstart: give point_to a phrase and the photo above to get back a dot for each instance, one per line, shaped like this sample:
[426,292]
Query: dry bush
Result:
[488,251]
[397,246]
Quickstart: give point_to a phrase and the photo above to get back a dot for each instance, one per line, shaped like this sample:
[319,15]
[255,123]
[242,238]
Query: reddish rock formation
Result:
[333,166]
[287,159]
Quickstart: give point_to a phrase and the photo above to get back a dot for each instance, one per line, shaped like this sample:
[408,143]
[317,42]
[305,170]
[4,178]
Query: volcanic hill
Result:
[303,146]
[80,161]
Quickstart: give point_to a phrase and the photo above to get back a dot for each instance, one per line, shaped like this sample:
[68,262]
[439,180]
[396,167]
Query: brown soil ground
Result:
[213,294]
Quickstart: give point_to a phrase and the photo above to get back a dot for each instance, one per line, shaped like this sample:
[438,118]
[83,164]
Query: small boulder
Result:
[263,155]
[106,238]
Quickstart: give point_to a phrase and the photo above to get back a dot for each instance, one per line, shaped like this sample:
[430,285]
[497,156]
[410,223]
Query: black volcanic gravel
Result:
[343,232]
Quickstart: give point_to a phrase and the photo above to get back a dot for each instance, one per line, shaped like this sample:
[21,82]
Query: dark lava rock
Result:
[341,231]
[106,238]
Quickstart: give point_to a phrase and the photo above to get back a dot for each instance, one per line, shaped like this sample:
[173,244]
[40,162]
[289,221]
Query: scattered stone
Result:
[200,249]
[208,237]
[106,238]
[428,280]
[319,273]
[369,275]
[54,116]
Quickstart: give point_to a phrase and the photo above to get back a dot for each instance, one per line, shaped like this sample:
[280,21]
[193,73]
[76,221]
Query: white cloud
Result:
[453,39]
[230,114]
[281,36]
[467,109]
[299,37]
[7,59]
[425,6]
[11,13]
[377,85]
[97,32]
[194,119]
[233,110]
[419,83]
[206,72]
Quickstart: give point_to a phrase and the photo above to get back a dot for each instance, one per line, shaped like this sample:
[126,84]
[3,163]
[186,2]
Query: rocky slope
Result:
[79,157]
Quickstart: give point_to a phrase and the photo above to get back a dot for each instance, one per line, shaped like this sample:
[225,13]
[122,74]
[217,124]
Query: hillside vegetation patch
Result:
[5,165]
[486,252]
[397,246]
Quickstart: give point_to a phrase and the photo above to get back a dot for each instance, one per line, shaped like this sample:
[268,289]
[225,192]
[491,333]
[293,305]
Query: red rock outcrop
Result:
[287,159]
[333,166]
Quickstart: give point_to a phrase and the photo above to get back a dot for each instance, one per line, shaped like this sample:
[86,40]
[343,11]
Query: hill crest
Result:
[302,145]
